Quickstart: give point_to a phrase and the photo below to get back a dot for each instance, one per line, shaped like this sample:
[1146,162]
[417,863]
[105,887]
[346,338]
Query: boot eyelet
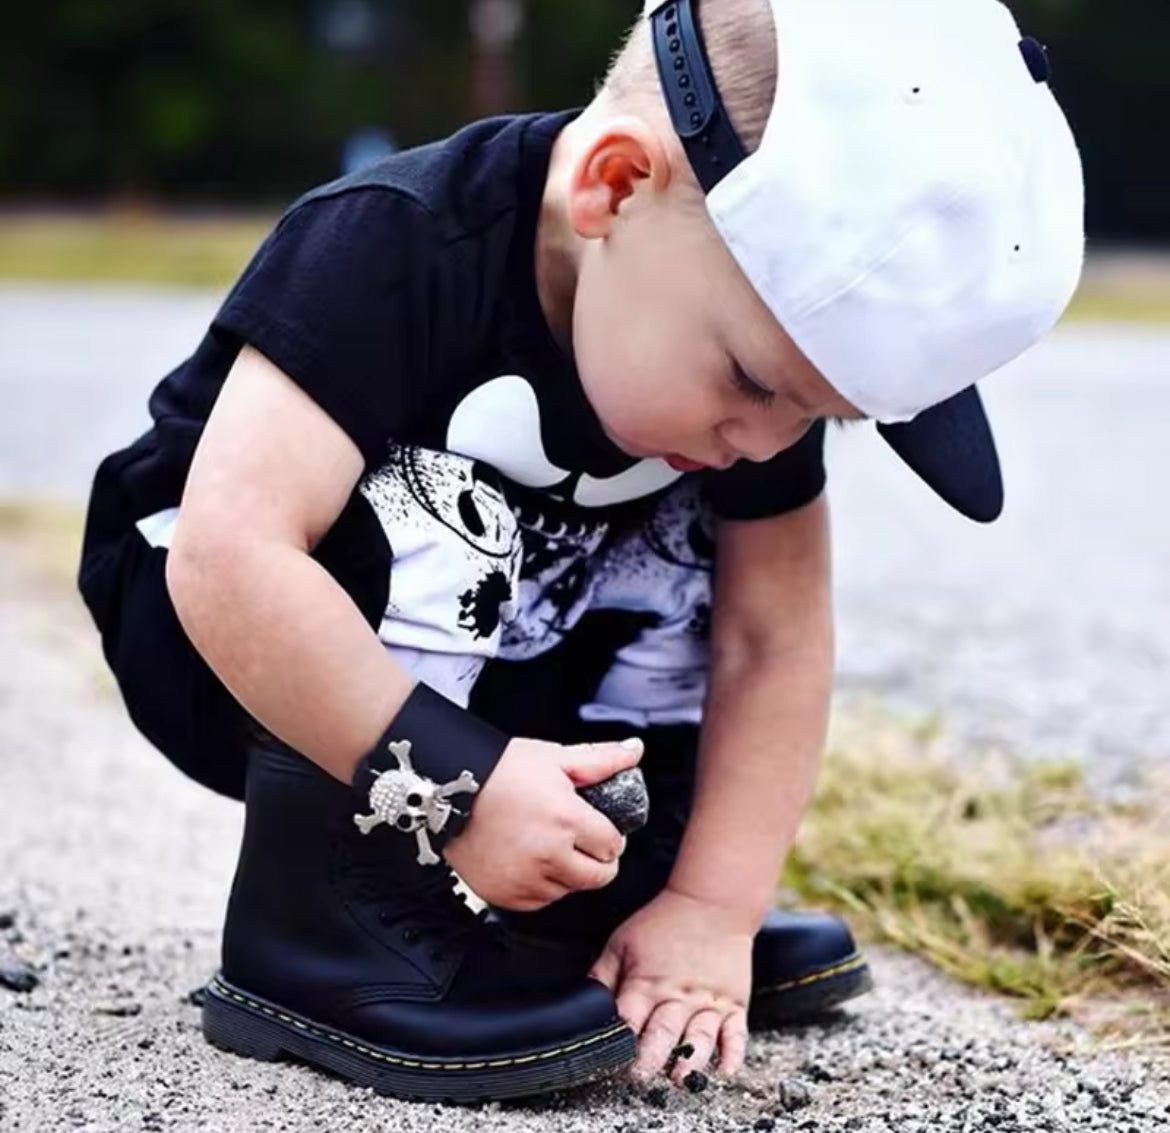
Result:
[409,935]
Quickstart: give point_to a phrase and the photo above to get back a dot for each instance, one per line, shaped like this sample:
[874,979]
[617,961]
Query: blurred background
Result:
[234,102]
[146,146]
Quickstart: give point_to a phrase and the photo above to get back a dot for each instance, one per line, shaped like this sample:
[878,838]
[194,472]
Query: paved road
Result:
[1050,629]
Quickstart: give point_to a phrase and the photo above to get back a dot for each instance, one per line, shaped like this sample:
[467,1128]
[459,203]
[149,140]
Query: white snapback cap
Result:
[913,216]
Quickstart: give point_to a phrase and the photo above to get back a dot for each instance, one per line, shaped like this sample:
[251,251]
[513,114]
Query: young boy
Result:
[424,536]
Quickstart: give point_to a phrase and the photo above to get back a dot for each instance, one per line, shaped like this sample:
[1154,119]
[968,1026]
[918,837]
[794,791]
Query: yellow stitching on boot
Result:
[222,989]
[850,965]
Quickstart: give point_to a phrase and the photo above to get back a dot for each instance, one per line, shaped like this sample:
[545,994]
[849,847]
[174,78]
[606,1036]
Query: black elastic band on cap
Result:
[700,119]
[445,741]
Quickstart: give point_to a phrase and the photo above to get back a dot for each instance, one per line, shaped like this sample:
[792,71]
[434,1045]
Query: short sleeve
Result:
[338,298]
[787,482]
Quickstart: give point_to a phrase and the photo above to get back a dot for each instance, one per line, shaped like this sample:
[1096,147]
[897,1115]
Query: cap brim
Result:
[950,446]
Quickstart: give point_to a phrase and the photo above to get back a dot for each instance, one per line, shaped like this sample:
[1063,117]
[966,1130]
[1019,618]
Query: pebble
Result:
[18,977]
[119,1010]
[622,798]
[695,1081]
[794,1095]
[7,920]
[816,1072]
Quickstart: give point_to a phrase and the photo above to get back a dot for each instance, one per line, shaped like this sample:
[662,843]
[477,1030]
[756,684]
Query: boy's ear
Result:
[625,154]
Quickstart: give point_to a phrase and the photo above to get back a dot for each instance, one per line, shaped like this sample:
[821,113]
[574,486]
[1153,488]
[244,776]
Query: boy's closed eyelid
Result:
[784,389]
[754,389]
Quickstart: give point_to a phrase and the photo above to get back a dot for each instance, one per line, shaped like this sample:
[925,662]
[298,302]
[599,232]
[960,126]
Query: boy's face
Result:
[678,355]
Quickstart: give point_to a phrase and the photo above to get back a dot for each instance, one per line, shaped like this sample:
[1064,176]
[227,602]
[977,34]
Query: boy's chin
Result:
[631,449]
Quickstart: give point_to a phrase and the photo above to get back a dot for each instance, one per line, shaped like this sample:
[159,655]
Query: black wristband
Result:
[421,777]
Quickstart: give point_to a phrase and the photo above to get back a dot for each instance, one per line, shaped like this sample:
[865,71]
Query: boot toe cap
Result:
[790,945]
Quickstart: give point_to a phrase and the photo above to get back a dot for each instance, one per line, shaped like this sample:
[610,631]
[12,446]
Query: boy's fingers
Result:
[607,968]
[583,872]
[586,764]
[702,1032]
[596,836]
[659,1035]
[634,1006]
[733,1037]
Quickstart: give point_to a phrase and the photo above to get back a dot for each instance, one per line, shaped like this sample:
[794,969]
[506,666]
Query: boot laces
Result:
[428,907]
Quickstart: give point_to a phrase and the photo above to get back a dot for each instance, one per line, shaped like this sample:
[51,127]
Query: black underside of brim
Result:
[950,446]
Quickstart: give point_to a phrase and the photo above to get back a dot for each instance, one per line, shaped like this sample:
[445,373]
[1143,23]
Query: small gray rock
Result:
[622,798]
[119,1010]
[793,1095]
[18,977]
[817,1072]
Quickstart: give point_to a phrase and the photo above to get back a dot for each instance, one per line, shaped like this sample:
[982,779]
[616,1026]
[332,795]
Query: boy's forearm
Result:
[763,734]
[258,608]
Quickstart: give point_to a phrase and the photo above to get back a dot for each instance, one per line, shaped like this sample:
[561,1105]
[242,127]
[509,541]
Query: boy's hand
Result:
[531,838]
[681,970]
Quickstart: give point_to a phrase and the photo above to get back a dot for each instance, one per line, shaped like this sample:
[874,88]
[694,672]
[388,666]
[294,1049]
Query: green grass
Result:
[158,248]
[1008,875]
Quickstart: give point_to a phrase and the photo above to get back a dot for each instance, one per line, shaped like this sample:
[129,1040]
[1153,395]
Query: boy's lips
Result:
[682,464]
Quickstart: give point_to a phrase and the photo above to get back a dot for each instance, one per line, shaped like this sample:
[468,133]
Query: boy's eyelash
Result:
[749,388]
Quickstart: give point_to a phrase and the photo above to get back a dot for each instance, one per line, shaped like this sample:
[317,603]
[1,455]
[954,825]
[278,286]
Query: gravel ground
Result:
[113,876]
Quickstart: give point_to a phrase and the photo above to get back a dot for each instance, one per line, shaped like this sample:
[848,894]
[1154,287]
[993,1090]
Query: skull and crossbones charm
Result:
[412,803]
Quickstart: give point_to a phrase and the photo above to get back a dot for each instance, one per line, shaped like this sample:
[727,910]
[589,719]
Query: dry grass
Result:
[47,533]
[128,247]
[1007,875]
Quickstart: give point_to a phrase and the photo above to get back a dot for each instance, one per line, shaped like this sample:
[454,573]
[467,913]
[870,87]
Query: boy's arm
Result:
[770,681]
[270,476]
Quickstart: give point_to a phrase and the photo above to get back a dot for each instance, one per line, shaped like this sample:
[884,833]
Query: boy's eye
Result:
[753,391]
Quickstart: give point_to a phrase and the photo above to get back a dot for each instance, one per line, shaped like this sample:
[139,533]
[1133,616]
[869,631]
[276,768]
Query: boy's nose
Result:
[761,440]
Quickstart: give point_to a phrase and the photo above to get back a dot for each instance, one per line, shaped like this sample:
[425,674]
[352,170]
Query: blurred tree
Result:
[253,100]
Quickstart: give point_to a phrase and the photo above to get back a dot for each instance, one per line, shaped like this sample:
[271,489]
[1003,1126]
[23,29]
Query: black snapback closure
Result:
[696,109]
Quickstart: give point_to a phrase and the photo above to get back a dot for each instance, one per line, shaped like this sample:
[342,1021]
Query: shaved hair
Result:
[740,38]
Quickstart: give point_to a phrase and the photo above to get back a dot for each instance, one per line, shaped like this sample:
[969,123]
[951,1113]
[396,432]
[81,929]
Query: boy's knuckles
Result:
[598,876]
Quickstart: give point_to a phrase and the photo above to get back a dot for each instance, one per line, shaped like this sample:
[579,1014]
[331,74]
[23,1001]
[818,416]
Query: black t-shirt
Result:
[495,522]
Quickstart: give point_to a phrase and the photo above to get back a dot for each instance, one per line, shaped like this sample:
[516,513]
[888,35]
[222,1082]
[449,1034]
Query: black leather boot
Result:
[803,963]
[342,951]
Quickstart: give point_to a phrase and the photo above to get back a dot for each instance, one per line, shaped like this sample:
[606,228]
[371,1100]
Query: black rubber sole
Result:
[811,994]
[241,1023]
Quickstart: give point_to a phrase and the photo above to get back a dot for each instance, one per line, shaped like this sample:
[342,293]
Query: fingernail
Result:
[632,744]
